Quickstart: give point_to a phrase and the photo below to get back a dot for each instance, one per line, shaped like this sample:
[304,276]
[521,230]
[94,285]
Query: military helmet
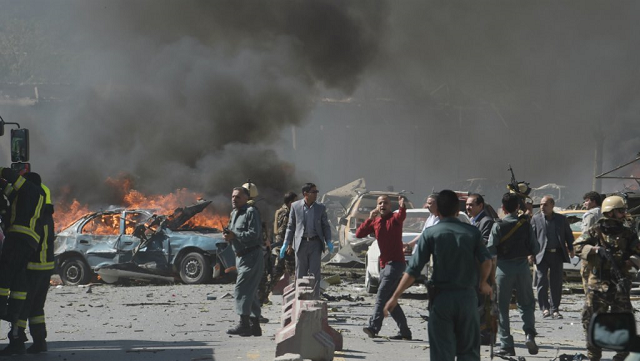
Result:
[613,202]
[251,187]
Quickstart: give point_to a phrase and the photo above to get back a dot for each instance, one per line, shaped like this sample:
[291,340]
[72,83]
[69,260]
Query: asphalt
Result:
[184,322]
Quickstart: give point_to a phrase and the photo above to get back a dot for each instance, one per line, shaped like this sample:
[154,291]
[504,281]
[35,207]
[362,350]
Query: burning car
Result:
[136,243]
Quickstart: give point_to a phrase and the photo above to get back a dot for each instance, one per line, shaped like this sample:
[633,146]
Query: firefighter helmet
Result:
[251,187]
[613,202]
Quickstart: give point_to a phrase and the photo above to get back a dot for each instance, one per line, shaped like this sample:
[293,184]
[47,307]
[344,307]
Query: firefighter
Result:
[22,240]
[39,270]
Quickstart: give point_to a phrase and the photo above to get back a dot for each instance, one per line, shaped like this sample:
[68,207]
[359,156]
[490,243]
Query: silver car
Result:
[412,227]
[136,243]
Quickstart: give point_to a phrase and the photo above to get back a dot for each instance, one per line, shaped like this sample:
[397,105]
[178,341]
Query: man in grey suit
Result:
[308,230]
[556,247]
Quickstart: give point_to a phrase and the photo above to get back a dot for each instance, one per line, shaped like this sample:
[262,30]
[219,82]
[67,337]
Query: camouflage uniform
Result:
[602,294]
[263,288]
[288,263]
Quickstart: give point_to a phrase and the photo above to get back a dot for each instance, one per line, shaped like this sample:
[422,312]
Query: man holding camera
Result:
[607,247]
[244,233]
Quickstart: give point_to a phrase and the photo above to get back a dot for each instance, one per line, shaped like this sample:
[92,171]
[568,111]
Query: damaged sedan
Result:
[138,244]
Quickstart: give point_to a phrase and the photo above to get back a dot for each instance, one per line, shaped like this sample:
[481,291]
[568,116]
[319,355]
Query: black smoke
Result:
[191,94]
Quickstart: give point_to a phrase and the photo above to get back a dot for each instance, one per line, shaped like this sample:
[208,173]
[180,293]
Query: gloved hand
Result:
[283,250]
[330,246]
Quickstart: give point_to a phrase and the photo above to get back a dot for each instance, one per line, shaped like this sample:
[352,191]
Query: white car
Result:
[412,227]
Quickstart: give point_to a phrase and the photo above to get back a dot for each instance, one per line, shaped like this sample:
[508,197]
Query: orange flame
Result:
[66,214]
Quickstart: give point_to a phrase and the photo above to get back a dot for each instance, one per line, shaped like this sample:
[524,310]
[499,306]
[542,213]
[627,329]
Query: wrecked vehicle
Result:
[411,228]
[136,243]
[358,212]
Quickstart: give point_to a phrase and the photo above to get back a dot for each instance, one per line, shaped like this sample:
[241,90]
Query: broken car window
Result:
[103,225]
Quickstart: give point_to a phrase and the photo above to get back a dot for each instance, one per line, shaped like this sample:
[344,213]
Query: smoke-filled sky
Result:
[411,94]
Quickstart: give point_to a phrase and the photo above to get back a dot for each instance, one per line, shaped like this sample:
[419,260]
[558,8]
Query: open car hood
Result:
[182,214]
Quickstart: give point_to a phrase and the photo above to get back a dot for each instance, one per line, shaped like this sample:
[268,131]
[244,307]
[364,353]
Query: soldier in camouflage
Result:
[604,291]
[280,222]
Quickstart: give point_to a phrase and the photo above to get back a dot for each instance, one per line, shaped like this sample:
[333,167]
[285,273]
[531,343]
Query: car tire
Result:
[75,271]
[369,284]
[195,268]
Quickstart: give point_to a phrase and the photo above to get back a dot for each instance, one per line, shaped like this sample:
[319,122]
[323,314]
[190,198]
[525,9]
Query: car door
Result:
[97,238]
[126,241]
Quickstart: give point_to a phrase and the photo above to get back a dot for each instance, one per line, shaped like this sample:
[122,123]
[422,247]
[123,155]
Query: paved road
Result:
[177,322]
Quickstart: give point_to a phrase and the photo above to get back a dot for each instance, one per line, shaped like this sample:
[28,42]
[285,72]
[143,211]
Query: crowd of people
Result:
[472,264]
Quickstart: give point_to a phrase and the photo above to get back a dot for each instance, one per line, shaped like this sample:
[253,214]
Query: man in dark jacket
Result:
[479,217]
[556,247]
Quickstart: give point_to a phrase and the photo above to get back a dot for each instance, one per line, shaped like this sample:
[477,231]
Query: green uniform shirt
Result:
[456,248]
[497,234]
[245,223]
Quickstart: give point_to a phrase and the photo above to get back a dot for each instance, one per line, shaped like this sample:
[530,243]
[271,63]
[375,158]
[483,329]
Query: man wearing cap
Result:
[309,232]
[244,233]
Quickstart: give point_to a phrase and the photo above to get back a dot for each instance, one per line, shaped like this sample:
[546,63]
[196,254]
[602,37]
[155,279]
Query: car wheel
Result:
[195,268]
[75,271]
[368,283]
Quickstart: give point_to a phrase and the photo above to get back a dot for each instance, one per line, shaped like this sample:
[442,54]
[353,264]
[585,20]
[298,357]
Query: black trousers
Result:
[13,278]
[33,309]
[551,263]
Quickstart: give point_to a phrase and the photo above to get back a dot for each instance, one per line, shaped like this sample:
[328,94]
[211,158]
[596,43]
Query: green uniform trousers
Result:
[250,270]
[454,326]
[514,275]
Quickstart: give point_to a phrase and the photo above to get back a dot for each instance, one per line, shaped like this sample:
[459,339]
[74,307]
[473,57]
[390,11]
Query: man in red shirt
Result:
[387,227]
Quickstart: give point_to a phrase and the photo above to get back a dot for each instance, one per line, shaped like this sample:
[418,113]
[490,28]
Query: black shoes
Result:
[242,329]
[37,347]
[14,348]
[508,351]
[369,331]
[400,337]
[255,326]
[531,344]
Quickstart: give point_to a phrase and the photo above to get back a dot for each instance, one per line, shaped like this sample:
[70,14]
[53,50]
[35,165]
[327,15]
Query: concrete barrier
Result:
[305,327]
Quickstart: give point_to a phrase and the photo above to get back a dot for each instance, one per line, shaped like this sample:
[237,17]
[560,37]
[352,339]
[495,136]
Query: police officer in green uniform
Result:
[605,291]
[513,243]
[245,235]
[457,249]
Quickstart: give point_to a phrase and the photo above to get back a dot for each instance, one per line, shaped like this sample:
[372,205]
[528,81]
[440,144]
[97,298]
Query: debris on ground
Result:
[349,298]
